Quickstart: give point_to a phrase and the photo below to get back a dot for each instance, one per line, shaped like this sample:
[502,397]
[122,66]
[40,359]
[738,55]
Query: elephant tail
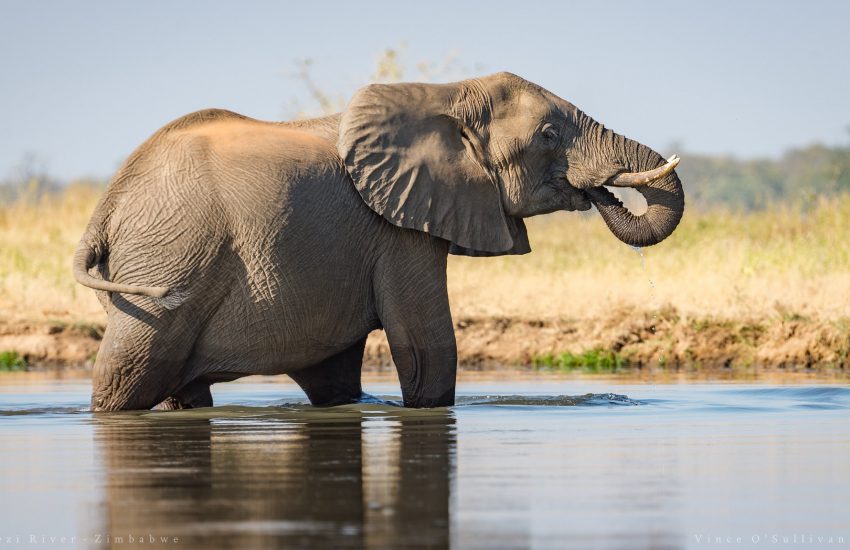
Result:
[88,255]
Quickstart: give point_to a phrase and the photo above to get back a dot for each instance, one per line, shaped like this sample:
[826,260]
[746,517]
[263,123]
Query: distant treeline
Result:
[798,177]
[34,188]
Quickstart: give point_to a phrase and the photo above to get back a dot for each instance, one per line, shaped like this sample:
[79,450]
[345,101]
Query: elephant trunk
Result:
[652,177]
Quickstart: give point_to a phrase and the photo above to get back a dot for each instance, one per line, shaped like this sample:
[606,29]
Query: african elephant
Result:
[227,246]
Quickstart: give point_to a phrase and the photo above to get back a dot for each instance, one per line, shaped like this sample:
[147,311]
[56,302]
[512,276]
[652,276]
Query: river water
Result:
[542,463]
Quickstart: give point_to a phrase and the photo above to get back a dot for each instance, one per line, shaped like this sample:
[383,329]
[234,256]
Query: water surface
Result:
[537,463]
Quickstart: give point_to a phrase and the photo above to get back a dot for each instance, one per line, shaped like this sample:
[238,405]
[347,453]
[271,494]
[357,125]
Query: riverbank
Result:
[626,342]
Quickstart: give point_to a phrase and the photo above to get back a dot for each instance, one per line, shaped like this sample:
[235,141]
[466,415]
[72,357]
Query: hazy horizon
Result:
[85,83]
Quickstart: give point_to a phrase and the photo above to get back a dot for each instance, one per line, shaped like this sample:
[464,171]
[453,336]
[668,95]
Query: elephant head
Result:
[468,161]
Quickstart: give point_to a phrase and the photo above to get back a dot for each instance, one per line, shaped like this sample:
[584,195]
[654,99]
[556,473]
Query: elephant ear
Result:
[518,233]
[415,153]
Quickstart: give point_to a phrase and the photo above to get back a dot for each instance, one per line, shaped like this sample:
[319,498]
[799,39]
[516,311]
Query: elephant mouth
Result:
[577,198]
[583,202]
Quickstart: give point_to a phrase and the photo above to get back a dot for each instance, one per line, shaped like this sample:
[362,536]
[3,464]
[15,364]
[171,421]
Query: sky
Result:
[83,83]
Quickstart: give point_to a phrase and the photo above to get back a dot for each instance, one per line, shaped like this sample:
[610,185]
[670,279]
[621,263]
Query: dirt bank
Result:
[626,340]
[661,340]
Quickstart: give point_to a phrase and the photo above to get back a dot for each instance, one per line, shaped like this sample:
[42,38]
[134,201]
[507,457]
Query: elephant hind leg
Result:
[194,395]
[336,380]
[142,358]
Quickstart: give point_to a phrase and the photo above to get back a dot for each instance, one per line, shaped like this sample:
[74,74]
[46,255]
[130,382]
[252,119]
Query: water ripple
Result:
[586,400]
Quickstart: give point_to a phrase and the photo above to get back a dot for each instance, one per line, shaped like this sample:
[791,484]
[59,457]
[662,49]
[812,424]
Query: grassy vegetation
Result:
[11,361]
[594,361]
[784,262]
[37,240]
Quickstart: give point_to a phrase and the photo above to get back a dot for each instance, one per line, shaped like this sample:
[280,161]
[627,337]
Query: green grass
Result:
[594,361]
[11,361]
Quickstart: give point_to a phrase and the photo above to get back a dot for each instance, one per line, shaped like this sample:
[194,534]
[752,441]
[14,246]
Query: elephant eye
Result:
[550,133]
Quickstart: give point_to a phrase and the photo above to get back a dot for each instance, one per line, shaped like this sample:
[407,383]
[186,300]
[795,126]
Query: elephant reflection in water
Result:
[329,480]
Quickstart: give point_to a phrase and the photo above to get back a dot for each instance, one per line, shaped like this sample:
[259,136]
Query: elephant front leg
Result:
[413,305]
[426,371]
[336,380]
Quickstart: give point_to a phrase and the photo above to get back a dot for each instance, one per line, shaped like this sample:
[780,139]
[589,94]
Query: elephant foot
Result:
[193,396]
[171,404]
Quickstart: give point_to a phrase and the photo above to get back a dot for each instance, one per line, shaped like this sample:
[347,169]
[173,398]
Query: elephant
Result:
[227,246]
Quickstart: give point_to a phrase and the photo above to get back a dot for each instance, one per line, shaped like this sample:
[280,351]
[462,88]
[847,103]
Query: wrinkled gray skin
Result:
[227,246]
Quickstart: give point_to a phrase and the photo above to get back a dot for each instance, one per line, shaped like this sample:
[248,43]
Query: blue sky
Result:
[83,83]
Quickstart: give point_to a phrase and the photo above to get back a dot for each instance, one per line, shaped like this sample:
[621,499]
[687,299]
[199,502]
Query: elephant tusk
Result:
[635,179]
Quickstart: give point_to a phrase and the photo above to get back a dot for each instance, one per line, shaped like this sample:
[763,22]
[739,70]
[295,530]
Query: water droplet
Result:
[652,296]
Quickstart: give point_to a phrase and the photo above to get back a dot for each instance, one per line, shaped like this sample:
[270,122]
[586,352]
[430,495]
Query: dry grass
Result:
[780,263]
[37,241]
